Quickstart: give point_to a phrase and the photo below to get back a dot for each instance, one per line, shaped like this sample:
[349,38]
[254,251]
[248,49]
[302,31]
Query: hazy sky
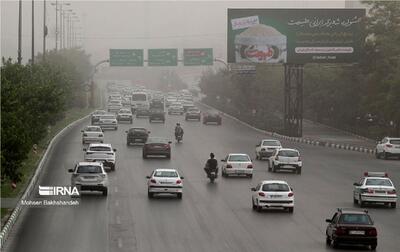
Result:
[135,24]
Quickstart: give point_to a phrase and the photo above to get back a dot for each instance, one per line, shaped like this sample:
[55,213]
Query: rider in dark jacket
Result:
[211,165]
[178,130]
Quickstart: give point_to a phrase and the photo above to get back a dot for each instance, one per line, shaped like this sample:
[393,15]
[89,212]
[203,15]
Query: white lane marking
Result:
[119,243]
[118,220]
[116,189]
[116,203]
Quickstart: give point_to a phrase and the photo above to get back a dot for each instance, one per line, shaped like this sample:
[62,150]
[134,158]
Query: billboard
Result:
[296,36]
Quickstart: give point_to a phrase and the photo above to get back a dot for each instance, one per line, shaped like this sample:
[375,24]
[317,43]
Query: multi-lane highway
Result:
[210,217]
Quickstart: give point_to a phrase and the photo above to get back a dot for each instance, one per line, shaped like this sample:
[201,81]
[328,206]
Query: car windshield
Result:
[355,219]
[115,102]
[125,111]
[239,158]
[275,187]
[396,141]
[100,148]
[193,110]
[378,182]
[166,174]
[271,143]
[288,153]
[89,169]
[93,129]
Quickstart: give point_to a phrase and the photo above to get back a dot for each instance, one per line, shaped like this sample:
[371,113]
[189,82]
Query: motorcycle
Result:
[212,175]
[179,137]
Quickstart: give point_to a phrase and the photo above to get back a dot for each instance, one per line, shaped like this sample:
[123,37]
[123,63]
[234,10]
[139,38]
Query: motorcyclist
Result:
[178,130]
[211,165]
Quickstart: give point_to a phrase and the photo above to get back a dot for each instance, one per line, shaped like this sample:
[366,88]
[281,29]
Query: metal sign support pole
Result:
[293,114]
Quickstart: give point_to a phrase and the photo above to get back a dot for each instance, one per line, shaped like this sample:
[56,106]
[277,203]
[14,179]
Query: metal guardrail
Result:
[17,210]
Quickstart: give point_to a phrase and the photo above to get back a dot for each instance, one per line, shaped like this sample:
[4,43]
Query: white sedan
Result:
[237,164]
[92,134]
[271,194]
[266,147]
[164,181]
[375,187]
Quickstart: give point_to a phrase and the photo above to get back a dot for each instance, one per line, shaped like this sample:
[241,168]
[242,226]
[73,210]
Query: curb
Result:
[298,139]
[17,210]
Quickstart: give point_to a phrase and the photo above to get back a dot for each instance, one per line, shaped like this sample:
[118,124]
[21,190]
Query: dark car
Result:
[193,114]
[352,227]
[142,112]
[157,146]
[136,135]
[212,117]
[95,117]
[157,115]
[157,104]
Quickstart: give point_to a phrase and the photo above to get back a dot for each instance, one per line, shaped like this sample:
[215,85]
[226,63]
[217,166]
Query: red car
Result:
[212,117]
[352,227]
[157,146]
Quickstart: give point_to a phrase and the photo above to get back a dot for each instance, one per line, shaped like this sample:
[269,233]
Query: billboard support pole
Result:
[293,92]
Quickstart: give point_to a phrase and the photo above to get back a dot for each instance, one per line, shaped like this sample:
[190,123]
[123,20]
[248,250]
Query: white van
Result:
[140,100]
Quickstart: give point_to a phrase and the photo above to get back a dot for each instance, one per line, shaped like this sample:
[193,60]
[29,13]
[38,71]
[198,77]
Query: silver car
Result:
[89,176]
[92,134]
[108,121]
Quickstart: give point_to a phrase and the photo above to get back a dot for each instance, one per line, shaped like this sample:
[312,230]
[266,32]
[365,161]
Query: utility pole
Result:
[19,31]
[33,32]
[44,30]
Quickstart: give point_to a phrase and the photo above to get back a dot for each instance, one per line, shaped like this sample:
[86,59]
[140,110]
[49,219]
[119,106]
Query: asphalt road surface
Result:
[210,217]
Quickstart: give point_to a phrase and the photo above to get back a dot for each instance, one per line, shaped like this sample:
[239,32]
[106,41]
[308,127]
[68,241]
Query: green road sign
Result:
[198,57]
[163,57]
[126,57]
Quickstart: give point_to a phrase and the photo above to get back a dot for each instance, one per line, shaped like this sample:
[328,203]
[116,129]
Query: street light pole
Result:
[19,31]
[44,30]
[33,32]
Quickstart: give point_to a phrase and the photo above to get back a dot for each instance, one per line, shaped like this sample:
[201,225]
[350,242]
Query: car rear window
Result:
[125,111]
[108,117]
[275,187]
[239,158]
[378,182]
[288,153]
[271,143]
[138,130]
[93,129]
[157,140]
[395,141]
[166,174]
[355,219]
[89,169]
[100,148]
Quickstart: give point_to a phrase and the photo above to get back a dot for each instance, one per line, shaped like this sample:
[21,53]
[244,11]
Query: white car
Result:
[237,164]
[271,194]
[125,115]
[114,106]
[285,159]
[104,153]
[375,187]
[176,108]
[92,134]
[388,147]
[164,181]
[89,176]
[108,121]
[266,147]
